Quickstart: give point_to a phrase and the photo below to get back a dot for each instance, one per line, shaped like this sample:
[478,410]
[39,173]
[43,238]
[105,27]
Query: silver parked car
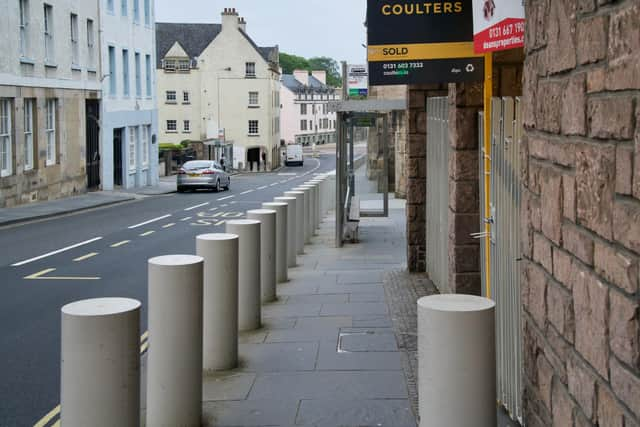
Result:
[202,174]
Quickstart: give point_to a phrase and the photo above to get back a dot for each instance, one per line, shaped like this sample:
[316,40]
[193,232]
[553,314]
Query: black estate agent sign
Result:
[421,42]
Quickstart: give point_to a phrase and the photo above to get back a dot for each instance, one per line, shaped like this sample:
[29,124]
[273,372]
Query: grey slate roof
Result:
[194,38]
[315,85]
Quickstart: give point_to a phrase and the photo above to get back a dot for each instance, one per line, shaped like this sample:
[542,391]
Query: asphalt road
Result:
[37,279]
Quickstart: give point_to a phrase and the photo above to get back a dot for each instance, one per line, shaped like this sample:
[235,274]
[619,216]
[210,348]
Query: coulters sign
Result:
[421,42]
[357,81]
[498,25]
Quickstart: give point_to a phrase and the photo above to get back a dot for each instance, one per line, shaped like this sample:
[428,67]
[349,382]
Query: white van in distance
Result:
[294,155]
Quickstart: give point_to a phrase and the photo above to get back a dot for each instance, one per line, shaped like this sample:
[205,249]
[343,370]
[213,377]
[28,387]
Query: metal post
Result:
[291,228]
[281,239]
[385,155]
[100,365]
[267,218]
[340,163]
[249,291]
[307,211]
[174,373]
[220,300]
[456,361]
[299,234]
[352,172]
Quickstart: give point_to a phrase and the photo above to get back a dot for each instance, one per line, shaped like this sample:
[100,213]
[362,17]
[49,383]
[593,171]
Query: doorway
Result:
[117,156]
[253,156]
[92,116]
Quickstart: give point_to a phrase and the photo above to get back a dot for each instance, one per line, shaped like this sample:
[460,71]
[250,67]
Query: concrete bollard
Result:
[249,290]
[312,209]
[291,228]
[220,300]
[100,363]
[267,218]
[307,212]
[174,364]
[281,239]
[314,205]
[299,234]
[456,361]
[321,198]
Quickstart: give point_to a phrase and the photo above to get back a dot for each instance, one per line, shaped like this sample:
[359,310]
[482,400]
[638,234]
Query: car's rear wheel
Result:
[217,186]
[228,185]
[181,189]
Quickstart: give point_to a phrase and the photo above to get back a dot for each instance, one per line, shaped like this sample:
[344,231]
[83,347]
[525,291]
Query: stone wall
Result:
[580,214]
[67,177]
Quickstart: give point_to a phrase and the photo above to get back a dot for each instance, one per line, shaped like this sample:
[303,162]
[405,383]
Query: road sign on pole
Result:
[357,81]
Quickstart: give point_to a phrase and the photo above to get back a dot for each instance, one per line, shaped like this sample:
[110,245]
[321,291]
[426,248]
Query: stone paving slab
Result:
[303,335]
[230,385]
[367,339]
[331,385]
[362,413]
[267,412]
[276,357]
[291,310]
[318,299]
[353,308]
[330,359]
[366,297]
[331,322]
[369,288]
[372,276]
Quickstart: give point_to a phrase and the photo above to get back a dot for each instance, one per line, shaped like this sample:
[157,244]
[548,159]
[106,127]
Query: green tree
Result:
[293,62]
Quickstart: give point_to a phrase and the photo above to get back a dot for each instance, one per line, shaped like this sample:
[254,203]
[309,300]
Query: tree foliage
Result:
[294,62]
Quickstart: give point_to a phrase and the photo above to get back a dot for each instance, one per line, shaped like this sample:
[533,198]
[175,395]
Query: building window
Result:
[310,125]
[112,71]
[250,69]
[171,97]
[253,99]
[183,65]
[48,34]
[147,59]
[186,126]
[123,7]
[138,76]
[325,123]
[50,131]
[147,12]
[6,161]
[172,125]
[303,109]
[136,11]
[146,136]
[125,72]
[303,125]
[133,140]
[110,6]
[75,50]
[28,133]
[24,28]
[170,65]
[253,127]
[91,63]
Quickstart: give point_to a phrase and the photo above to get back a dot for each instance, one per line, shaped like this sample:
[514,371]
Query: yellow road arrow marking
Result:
[87,256]
[41,276]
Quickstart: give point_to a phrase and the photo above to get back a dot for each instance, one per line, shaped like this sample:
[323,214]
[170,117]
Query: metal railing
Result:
[437,197]
[505,199]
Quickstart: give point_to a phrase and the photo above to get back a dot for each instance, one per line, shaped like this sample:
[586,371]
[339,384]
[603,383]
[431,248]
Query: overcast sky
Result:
[306,28]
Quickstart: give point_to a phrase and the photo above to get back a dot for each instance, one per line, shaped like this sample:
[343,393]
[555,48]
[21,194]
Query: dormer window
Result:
[250,69]
[170,65]
[183,65]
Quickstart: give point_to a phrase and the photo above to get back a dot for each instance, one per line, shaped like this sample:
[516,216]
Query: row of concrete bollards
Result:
[197,305]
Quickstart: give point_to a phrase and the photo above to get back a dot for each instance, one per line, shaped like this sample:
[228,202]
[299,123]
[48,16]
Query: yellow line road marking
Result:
[186,219]
[169,225]
[144,336]
[87,256]
[220,222]
[40,273]
[148,233]
[144,347]
[56,424]
[117,245]
[43,422]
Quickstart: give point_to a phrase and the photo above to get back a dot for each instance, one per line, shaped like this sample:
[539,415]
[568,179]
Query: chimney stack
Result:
[242,24]
[302,76]
[320,75]
[229,19]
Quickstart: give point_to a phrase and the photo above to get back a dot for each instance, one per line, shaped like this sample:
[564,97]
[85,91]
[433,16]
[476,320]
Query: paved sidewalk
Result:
[327,355]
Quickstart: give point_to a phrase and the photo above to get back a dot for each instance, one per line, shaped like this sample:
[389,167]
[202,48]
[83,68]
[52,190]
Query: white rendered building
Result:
[305,117]
[214,81]
[129,150]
